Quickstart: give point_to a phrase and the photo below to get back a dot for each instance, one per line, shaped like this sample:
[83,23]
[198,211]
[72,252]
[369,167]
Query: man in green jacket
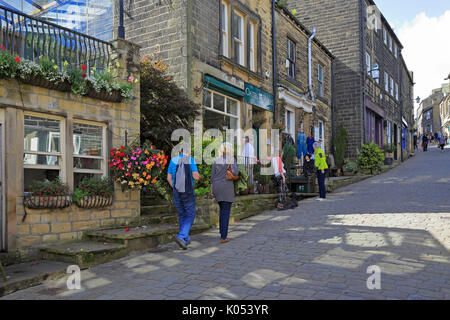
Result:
[320,162]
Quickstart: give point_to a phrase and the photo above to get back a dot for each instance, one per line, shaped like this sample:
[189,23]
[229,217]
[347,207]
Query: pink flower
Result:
[130,79]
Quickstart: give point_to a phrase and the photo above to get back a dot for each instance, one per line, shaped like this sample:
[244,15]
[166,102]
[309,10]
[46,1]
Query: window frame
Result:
[224,113]
[368,63]
[225,29]
[391,87]
[320,82]
[104,158]
[386,82]
[390,43]
[240,42]
[385,38]
[396,91]
[290,59]
[62,148]
[252,46]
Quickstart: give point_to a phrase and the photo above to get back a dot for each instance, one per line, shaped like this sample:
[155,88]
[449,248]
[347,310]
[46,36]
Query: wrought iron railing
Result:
[30,38]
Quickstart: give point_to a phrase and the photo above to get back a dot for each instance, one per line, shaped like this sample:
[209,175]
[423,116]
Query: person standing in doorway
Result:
[222,189]
[181,175]
[320,161]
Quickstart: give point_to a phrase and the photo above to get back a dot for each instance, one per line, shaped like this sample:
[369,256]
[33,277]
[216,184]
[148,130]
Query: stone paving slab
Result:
[398,221]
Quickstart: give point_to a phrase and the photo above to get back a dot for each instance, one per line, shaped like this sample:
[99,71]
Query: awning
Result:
[222,87]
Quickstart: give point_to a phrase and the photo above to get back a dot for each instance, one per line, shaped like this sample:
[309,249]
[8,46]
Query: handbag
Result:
[230,175]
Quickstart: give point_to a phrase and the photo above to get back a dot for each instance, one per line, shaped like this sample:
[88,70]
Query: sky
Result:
[423,27]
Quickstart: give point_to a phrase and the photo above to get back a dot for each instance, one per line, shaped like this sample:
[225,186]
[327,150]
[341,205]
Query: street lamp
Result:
[418,99]
[121,29]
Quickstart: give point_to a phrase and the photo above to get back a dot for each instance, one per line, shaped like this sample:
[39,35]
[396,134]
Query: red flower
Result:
[3,48]
[84,75]
[83,67]
[17,59]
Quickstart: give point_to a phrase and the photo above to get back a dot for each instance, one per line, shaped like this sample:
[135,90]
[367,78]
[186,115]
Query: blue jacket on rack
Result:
[310,143]
[301,145]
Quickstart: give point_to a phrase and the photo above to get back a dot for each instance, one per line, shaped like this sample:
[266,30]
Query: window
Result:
[221,112]
[224,23]
[395,51]
[386,82]
[42,148]
[289,122]
[390,43]
[385,36]
[320,81]
[396,91]
[238,38]
[392,87]
[252,51]
[291,58]
[376,74]
[368,63]
[88,150]
[389,132]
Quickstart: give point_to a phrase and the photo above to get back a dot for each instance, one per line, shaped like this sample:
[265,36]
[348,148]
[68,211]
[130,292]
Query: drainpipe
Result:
[310,64]
[274,60]
[363,66]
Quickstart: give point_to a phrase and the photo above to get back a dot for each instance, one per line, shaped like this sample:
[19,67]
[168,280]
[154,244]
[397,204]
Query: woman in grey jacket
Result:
[223,189]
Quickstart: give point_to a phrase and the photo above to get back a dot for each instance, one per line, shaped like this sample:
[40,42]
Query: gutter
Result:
[310,64]
[363,63]
[274,67]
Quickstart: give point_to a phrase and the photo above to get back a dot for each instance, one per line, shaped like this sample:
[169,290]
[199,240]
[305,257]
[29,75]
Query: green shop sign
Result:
[258,98]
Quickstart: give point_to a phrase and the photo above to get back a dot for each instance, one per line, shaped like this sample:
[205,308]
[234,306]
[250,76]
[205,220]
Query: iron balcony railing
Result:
[30,38]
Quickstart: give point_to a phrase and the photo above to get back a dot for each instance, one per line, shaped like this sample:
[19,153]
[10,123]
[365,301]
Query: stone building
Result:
[431,113]
[219,51]
[303,109]
[50,132]
[407,102]
[367,68]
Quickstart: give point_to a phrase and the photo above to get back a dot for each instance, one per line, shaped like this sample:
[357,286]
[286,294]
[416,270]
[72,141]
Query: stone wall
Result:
[16,99]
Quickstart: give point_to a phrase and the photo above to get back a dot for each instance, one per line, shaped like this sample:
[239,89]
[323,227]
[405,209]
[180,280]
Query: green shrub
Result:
[370,158]
[48,189]
[93,187]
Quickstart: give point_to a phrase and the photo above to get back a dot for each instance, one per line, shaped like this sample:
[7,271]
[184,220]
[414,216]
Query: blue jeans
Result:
[185,205]
[224,218]
[322,187]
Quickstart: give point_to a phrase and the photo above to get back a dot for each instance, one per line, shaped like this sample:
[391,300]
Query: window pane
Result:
[223,16]
[80,176]
[31,175]
[232,107]
[87,139]
[35,159]
[208,99]
[84,163]
[213,120]
[219,102]
[41,134]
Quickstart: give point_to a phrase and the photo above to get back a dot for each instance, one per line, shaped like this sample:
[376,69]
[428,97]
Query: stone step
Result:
[157,209]
[141,238]
[30,274]
[152,220]
[83,253]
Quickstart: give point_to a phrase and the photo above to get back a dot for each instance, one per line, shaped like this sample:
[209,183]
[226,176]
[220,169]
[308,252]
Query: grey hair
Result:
[316,145]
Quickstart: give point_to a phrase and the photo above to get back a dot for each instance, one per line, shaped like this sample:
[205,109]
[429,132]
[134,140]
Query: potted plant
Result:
[251,189]
[48,195]
[349,168]
[389,150]
[259,119]
[94,193]
[370,158]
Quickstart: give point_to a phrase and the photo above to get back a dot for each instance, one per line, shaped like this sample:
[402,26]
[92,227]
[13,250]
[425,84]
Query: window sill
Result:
[253,74]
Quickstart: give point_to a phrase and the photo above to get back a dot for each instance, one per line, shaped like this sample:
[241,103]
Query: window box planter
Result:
[91,202]
[114,96]
[46,202]
[40,81]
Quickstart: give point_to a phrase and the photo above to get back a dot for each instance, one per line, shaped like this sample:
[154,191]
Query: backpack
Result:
[183,176]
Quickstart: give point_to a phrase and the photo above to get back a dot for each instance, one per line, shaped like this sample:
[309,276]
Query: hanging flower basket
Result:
[47,202]
[37,80]
[90,202]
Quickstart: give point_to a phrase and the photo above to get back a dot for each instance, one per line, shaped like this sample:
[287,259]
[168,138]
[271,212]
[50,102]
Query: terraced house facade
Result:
[368,69]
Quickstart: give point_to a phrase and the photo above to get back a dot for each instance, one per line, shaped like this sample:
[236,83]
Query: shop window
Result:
[221,112]
[42,148]
[89,155]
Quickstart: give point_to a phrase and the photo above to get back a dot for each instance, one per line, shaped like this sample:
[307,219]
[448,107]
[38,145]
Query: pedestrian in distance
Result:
[279,180]
[223,173]
[425,143]
[415,141]
[320,161]
[442,143]
[181,175]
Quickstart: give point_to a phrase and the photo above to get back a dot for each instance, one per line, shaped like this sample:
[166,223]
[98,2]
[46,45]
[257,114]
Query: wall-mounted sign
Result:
[258,97]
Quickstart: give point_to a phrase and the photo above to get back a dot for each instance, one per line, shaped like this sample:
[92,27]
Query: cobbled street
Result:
[398,221]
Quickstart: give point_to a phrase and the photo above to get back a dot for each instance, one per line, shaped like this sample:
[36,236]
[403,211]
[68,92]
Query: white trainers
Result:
[320,199]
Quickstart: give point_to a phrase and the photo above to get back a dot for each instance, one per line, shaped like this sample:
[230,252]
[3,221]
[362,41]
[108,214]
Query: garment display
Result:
[310,142]
[301,145]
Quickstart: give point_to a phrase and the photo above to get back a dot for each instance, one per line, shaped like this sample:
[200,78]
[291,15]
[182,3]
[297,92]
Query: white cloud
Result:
[426,42]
